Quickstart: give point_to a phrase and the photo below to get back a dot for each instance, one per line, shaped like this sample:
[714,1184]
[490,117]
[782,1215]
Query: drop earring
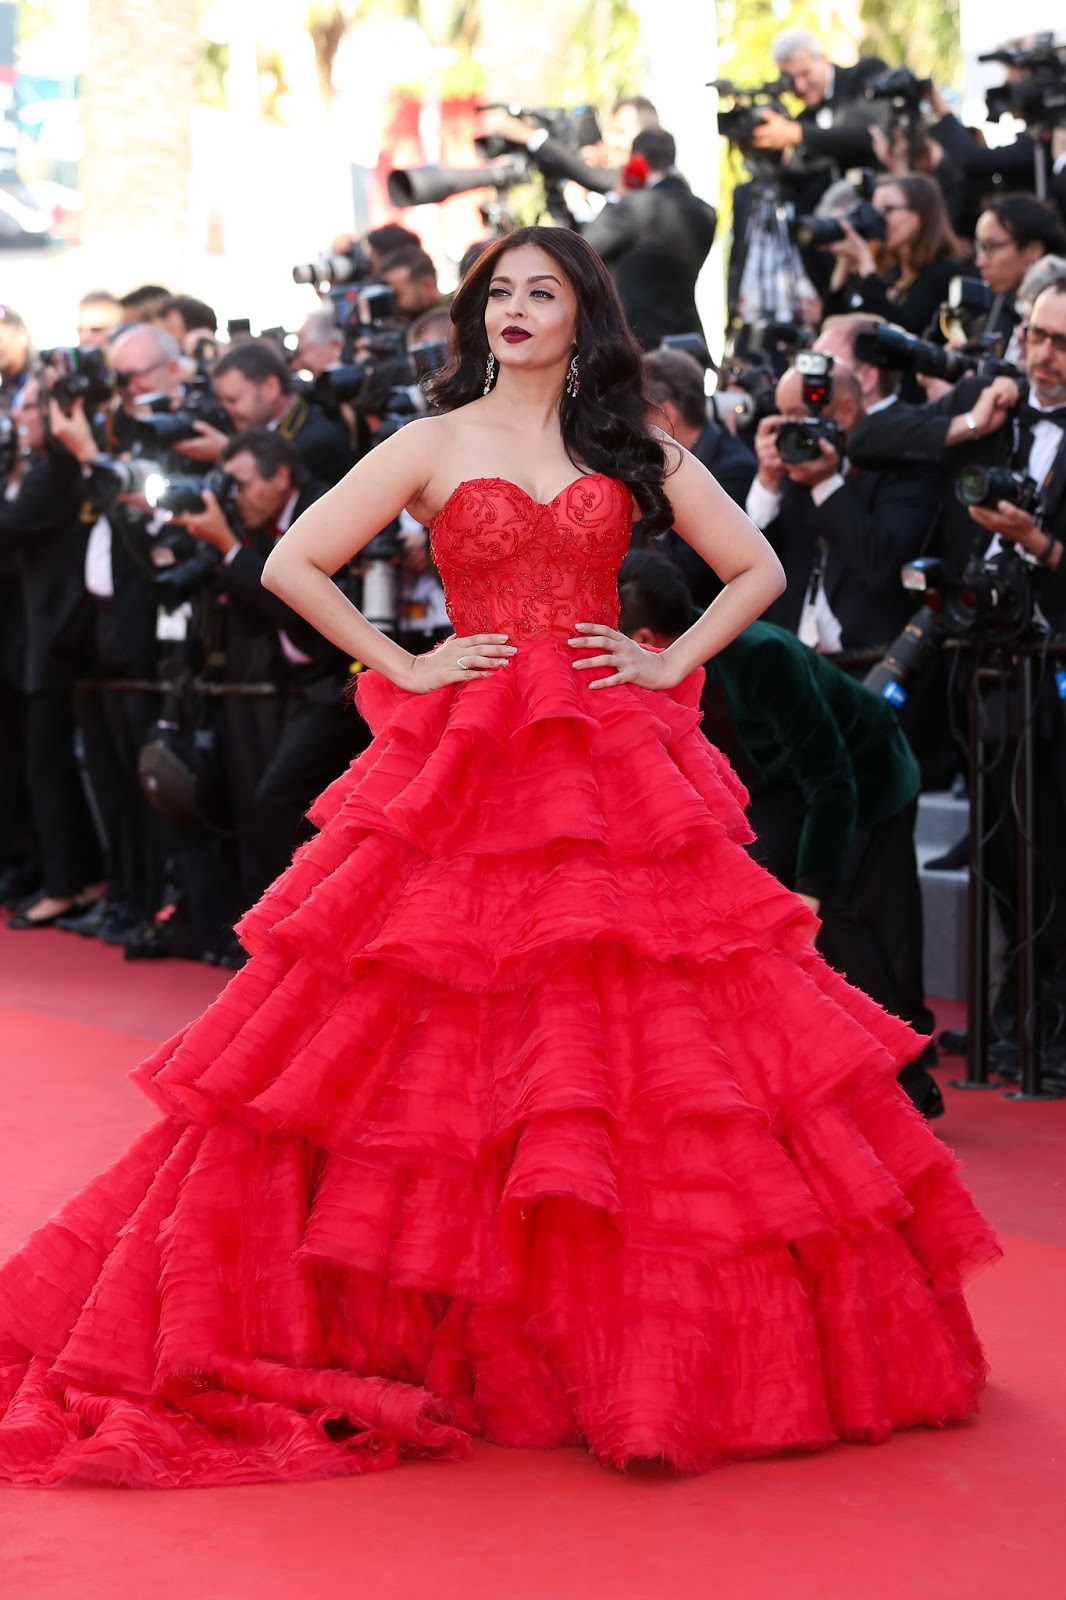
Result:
[490,373]
[573,380]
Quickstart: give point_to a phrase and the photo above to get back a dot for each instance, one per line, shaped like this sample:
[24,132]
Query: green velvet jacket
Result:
[785,715]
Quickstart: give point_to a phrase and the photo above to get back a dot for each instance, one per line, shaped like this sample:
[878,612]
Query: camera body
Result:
[1039,97]
[800,441]
[73,373]
[332,267]
[903,90]
[817,232]
[161,424]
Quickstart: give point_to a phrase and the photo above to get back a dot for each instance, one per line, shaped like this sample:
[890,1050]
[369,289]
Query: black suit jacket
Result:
[733,465]
[871,526]
[655,242]
[320,440]
[255,617]
[42,527]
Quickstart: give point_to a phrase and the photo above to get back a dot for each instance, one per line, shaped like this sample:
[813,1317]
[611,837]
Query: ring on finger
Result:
[461,663]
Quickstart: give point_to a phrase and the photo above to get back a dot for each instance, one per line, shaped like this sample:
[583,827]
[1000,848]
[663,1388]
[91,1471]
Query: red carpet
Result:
[971,1514]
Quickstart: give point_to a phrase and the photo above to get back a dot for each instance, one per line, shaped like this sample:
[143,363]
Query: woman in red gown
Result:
[533,1114]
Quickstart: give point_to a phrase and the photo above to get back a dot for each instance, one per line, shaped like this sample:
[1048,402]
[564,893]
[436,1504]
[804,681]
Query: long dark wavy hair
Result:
[603,426]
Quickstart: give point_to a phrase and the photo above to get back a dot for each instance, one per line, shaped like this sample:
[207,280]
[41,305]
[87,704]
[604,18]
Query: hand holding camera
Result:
[207,446]
[71,429]
[209,525]
[771,472]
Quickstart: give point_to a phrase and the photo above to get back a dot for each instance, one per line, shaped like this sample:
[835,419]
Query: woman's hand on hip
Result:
[459,661]
[629,662]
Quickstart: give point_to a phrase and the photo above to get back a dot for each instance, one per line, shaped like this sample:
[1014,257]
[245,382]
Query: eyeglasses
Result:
[1035,335]
[124,379]
[988,247]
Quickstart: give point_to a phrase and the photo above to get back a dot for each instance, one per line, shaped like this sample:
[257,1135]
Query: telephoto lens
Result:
[987,486]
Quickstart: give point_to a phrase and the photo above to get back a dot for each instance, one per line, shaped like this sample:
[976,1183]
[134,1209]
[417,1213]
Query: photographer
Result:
[831,133]
[673,386]
[319,344]
[654,242]
[412,277]
[596,168]
[1013,232]
[842,535]
[833,792]
[187,320]
[279,753]
[40,526]
[119,576]
[254,387]
[907,280]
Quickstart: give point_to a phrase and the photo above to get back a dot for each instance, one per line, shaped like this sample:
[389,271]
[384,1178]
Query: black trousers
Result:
[279,757]
[115,724]
[872,928]
[71,857]
[18,844]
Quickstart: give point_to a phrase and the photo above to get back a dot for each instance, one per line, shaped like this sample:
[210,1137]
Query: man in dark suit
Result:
[655,240]
[842,535]
[279,753]
[253,384]
[673,383]
[833,791]
[40,524]
[832,132]
[630,116]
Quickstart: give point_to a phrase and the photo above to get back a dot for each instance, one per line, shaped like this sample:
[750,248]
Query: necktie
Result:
[1029,415]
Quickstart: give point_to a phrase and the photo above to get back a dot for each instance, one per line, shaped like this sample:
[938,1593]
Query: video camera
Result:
[74,373]
[903,90]
[738,121]
[1038,98]
[801,441]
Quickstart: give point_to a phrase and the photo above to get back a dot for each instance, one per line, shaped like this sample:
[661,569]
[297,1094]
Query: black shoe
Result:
[117,926]
[20,886]
[88,923]
[22,919]
[952,860]
[148,941]
[952,1041]
[228,952]
[922,1090]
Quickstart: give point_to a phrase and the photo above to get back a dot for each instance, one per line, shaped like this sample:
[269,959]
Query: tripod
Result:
[1001,712]
[768,272]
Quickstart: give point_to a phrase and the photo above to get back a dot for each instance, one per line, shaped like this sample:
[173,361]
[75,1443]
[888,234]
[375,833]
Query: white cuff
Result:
[536,139]
[820,492]
[762,504]
[230,553]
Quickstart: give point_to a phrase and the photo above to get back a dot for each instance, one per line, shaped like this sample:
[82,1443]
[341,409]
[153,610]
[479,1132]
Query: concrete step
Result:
[943,819]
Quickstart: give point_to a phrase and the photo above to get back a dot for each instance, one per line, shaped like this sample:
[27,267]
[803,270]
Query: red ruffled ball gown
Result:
[534,1115]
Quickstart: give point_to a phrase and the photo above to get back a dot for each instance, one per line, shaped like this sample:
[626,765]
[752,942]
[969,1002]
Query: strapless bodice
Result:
[514,565]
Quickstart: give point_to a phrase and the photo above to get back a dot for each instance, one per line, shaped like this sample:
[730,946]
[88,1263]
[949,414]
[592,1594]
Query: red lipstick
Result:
[516,335]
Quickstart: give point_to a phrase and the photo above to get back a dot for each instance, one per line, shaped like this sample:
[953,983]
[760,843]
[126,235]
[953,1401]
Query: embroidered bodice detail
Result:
[510,564]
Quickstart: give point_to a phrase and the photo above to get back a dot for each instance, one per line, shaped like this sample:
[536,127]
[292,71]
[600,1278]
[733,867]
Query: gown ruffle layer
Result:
[533,1115]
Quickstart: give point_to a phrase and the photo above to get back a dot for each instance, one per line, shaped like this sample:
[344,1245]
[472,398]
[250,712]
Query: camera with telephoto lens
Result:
[1038,96]
[162,423]
[800,441]
[893,348]
[109,477]
[507,163]
[184,564]
[72,374]
[350,266]
[992,601]
[817,232]
[987,486]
